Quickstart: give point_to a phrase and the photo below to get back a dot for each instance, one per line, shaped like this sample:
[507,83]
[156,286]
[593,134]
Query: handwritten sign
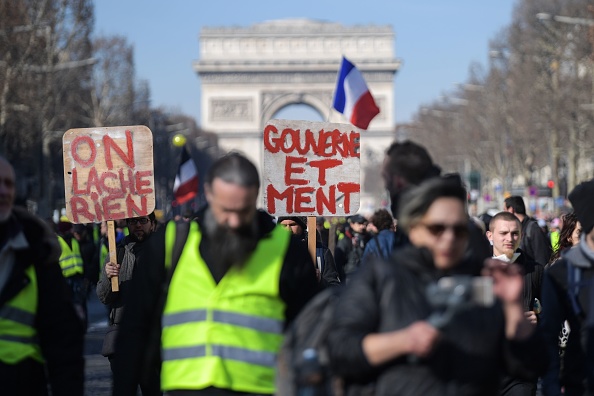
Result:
[311,168]
[108,173]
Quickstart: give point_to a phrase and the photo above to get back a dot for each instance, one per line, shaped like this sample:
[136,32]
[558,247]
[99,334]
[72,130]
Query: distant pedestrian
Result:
[535,244]
[129,256]
[324,259]
[381,245]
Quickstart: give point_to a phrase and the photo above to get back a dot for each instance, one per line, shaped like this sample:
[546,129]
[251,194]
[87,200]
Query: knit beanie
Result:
[301,221]
[582,200]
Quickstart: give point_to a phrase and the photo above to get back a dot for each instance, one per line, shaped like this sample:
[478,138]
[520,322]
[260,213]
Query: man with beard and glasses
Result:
[41,337]
[129,256]
[216,295]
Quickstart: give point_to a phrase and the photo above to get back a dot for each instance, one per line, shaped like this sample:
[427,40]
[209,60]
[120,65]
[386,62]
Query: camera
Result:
[451,294]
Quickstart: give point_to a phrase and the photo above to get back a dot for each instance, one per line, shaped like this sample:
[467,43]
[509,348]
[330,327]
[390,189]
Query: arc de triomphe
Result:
[250,73]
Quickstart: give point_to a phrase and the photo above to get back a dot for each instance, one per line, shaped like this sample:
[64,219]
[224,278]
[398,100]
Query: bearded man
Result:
[215,299]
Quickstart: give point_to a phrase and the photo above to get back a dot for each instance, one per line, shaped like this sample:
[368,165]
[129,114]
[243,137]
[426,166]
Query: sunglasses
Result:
[142,221]
[437,230]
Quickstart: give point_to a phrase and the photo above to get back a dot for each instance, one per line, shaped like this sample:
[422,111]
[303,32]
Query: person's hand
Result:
[112,269]
[422,337]
[531,316]
[507,280]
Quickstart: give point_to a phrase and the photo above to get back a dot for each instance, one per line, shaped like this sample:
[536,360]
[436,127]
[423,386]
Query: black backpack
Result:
[303,361]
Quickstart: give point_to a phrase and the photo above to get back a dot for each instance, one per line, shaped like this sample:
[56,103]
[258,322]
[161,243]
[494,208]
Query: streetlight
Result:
[543,16]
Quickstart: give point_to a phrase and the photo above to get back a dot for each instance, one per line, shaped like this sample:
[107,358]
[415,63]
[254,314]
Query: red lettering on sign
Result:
[127,184]
[106,187]
[272,195]
[329,202]
[79,207]
[268,141]
[109,143]
[93,180]
[322,165]
[74,150]
[110,208]
[98,211]
[324,143]
[133,209]
[289,169]
[75,189]
[140,183]
[347,189]
[303,196]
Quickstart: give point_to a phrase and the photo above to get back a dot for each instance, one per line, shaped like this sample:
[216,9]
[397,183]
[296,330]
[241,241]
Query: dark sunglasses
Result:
[142,221]
[437,230]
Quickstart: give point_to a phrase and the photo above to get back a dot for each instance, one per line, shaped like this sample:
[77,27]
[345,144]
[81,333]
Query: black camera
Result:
[453,293]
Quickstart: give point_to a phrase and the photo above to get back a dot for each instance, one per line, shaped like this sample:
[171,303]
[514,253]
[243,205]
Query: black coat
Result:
[138,342]
[60,330]
[473,352]
[557,307]
[535,244]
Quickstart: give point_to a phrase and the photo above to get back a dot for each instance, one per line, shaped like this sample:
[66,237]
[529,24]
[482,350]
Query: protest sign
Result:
[311,168]
[108,175]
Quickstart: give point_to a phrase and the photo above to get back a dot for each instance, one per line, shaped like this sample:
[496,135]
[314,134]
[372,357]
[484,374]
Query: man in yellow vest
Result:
[41,338]
[72,265]
[234,283]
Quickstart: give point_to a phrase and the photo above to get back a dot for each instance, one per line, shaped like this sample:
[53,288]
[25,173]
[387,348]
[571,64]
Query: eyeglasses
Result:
[437,230]
[142,221]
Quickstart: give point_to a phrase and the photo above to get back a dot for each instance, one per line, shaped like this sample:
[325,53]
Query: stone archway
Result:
[249,73]
[275,103]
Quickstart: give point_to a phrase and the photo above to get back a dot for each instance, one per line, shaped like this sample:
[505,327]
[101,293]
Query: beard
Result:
[229,246]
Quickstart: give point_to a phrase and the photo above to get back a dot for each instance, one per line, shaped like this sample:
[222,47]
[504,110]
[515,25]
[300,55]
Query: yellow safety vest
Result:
[18,336]
[224,335]
[70,260]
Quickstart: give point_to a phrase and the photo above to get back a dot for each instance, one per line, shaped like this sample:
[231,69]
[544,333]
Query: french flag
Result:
[352,97]
[185,186]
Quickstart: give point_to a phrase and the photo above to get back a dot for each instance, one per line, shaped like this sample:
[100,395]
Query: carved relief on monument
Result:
[222,109]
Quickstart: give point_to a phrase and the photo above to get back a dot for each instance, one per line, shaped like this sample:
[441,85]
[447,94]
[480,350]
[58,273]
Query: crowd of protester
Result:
[425,299]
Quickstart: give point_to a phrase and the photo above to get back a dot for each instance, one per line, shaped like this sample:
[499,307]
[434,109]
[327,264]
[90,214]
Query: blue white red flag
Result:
[352,97]
[185,186]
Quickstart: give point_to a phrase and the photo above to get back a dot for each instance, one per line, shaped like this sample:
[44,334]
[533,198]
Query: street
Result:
[97,371]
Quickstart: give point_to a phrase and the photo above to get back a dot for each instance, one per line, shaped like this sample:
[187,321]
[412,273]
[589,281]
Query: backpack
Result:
[303,361]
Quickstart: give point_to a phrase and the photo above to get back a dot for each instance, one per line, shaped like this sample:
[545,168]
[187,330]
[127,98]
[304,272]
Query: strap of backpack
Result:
[176,235]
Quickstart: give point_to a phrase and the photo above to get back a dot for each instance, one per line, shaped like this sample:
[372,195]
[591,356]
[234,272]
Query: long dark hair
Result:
[569,223]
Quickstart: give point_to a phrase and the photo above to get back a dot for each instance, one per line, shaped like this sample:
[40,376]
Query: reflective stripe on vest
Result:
[70,260]
[18,336]
[225,335]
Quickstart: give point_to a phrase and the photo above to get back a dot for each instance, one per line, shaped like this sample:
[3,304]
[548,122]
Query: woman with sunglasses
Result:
[388,338]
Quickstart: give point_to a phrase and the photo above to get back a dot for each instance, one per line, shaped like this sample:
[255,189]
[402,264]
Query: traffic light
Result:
[551,184]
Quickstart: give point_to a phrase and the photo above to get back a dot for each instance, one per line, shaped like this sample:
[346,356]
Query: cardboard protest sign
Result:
[108,173]
[311,168]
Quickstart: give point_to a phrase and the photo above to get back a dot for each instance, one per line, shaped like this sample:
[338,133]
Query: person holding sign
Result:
[216,298]
[325,267]
[129,252]
[41,337]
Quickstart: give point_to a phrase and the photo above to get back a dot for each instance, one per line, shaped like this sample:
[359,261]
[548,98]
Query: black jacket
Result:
[60,331]
[557,307]
[141,325]
[534,242]
[470,358]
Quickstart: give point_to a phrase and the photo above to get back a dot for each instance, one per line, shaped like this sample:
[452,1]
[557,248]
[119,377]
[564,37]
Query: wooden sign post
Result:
[108,175]
[311,169]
